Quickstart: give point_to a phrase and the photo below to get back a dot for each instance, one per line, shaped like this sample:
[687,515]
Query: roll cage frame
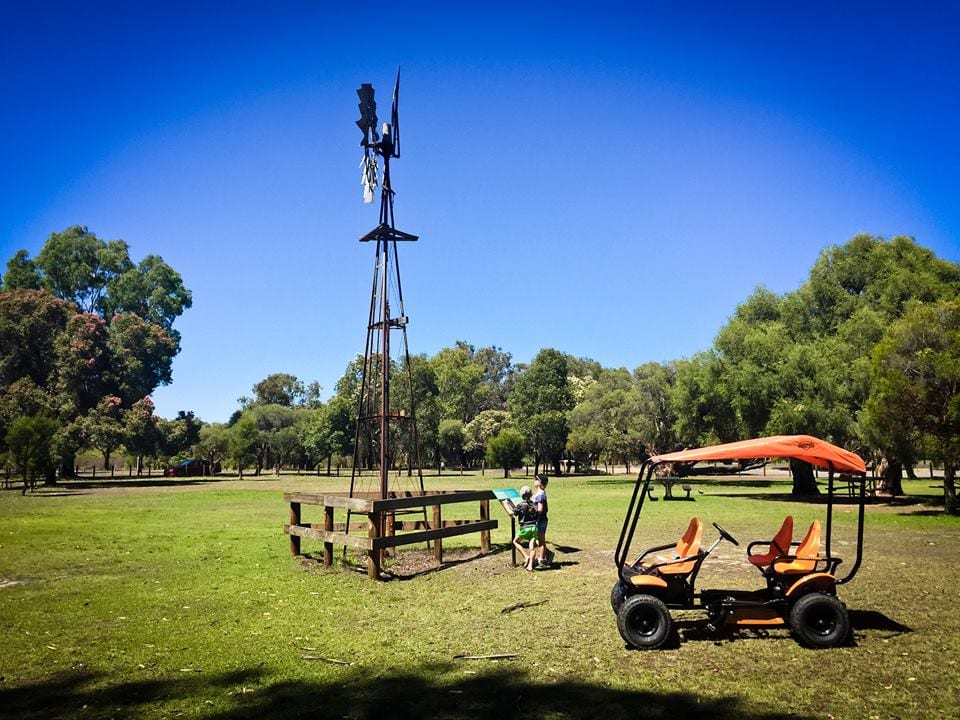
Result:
[640,493]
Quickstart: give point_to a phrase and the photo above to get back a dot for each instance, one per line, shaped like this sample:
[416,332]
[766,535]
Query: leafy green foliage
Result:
[83,327]
[31,442]
[505,450]
[801,363]
[450,438]
[916,387]
[279,389]
[22,273]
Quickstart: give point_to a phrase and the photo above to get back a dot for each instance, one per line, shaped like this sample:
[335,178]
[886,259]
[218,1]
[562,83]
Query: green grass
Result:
[183,601]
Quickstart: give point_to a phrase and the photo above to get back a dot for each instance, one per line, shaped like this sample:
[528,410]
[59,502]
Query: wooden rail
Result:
[383,529]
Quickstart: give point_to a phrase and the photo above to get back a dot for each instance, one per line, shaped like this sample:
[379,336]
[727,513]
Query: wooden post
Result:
[294,520]
[513,534]
[485,534]
[373,556]
[328,526]
[437,543]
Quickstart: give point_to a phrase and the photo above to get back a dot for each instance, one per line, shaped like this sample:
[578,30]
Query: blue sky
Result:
[608,179]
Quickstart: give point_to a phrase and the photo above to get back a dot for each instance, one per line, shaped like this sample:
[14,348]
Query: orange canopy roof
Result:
[802,447]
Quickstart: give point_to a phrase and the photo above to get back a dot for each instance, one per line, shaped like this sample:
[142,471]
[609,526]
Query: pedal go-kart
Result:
[799,578]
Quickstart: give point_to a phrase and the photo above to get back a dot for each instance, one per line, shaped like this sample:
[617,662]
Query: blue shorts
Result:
[542,525]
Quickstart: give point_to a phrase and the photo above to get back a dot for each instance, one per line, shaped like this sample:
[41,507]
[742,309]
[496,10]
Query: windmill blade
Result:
[395,116]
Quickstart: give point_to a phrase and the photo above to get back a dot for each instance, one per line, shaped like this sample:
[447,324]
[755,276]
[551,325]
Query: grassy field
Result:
[181,599]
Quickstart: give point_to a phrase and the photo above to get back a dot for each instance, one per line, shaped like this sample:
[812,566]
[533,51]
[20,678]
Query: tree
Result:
[916,388]
[179,435]
[103,427]
[269,421]
[152,290]
[458,382]
[655,414]
[99,327]
[214,444]
[505,450]
[546,435]
[605,422]
[141,356]
[450,438]
[76,265]
[539,400]
[801,362]
[243,442]
[31,442]
[22,273]
[542,387]
[497,374]
[279,389]
[31,324]
[141,432]
[485,425]
[428,413]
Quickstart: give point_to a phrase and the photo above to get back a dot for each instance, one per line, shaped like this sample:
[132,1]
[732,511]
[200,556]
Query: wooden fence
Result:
[383,529]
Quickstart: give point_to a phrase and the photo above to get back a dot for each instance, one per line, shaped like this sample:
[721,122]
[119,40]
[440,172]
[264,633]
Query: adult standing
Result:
[540,503]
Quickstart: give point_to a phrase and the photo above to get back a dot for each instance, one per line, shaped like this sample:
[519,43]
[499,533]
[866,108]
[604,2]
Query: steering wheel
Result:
[725,535]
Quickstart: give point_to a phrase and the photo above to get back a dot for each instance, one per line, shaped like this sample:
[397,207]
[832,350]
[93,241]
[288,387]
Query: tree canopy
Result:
[87,335]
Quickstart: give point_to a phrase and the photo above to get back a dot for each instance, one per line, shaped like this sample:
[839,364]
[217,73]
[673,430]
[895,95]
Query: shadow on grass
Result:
[902,501]
[875,620]
[504,690]
[861,621]
[82,487]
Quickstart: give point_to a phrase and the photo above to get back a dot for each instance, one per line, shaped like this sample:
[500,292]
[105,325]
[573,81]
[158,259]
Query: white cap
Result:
[525,490]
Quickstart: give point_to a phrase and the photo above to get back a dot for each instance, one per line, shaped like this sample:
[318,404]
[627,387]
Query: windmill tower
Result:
[383,432]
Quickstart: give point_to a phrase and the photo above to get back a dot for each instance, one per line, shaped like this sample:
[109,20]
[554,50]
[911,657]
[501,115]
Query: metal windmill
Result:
[380,427]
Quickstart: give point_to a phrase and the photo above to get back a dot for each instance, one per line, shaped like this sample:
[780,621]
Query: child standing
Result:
[526,515]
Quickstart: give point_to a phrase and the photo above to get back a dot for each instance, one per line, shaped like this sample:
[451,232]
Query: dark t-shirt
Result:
[526,512]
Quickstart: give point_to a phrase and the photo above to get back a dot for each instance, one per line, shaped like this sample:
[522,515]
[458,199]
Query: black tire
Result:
[617,596]
[644,622]
[819,621]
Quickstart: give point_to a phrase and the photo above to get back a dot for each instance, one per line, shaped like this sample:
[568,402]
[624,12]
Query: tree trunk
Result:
[892,477]
[804,483]
[949,490]
[911,473]
[68,465]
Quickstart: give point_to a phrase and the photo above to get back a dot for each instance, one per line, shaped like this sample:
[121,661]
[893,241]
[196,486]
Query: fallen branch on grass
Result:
[521,606]
[502,656]
[333,661]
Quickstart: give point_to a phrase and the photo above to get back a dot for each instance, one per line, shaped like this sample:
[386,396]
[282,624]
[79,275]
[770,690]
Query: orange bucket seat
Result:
[805,559]
[779,546]
[687,547]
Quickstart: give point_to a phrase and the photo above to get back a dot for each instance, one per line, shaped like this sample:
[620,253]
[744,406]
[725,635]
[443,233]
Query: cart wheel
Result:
[644,621]
[617,596]
[819,621]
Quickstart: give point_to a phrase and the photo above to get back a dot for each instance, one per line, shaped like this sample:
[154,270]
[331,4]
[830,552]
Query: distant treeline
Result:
[866,354]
